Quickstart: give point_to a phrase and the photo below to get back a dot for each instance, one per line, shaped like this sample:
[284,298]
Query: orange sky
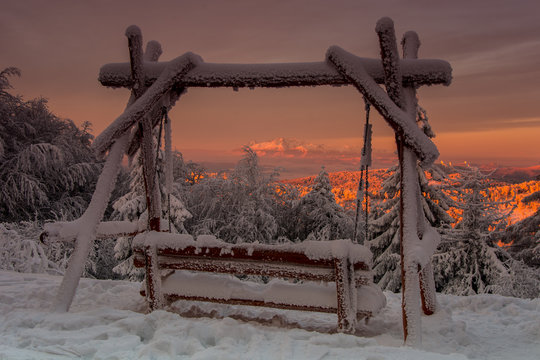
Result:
[490,113]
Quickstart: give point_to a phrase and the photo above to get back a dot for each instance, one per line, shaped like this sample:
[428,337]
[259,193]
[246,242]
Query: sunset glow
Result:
[489,114]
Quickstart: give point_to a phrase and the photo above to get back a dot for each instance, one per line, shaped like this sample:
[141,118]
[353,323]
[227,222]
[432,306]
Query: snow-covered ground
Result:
[107,321]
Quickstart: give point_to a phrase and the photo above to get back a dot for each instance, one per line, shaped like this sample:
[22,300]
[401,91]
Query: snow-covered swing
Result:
[156,84]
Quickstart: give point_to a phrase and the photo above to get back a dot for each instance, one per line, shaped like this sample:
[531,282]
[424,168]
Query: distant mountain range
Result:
[516,174]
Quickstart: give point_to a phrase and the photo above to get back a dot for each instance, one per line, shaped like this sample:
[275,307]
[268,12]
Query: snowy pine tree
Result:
[238,208]
[523,237]
[384,231]
[132,207]
[384,221]
[319,217]
[468,261]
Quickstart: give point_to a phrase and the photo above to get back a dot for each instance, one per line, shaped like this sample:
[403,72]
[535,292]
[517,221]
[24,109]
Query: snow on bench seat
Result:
[278,293]
[340,262]
[306,253]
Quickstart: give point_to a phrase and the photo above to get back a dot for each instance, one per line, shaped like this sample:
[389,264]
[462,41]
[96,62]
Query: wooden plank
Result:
[250,267]
[277,305]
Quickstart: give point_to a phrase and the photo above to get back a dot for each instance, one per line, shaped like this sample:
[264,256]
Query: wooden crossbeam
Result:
[419,72]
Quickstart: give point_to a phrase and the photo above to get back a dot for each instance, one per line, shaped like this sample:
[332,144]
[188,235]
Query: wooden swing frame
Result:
[150,81]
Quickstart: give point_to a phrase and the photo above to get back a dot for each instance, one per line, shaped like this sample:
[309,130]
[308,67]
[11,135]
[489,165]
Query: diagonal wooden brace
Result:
[349,66]
[175,70]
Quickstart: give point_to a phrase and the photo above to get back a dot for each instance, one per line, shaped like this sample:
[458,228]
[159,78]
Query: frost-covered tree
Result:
[468,261]
[47,169]
[384,231]
[22,250]
[235,208]
[523,237]
[319,217]
[384,221]
[132,207]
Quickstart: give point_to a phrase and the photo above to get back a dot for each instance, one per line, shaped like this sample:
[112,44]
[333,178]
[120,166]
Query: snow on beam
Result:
[351,66]
[87,225]
[106,229]
[170,75]
[419,72]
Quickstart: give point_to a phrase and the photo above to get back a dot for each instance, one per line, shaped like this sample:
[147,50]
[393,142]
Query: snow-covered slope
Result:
[107,321]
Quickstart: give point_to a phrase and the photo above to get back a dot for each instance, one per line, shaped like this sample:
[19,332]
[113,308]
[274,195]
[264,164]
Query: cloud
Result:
[286,147]
[295,157]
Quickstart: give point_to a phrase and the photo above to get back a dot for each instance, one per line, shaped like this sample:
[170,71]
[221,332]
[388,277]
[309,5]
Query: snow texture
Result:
[348,65]
[315,250]
[390,60]
[108,321]
[170,75]
[419,251]
[419,72]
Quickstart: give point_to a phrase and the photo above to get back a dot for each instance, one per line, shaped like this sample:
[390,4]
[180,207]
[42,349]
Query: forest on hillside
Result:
[490,230]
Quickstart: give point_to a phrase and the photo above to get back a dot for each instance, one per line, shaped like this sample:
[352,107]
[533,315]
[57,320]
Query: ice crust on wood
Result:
[419,72]
[348,64]
[314,250]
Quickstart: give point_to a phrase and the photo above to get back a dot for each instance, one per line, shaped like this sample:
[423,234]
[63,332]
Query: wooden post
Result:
[151,187]
[145,135]
[154,294]
[107,179]
[405,98]
[346,309]
[411,44]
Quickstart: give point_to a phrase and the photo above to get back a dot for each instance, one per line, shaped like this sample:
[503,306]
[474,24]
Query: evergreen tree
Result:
[319,217]
[468,261]
[47,168]
[384,221]
[132,207]
[523,237]
[239,208]
[384,230]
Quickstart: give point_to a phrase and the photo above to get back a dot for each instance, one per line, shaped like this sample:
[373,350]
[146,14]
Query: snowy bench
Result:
[317,263]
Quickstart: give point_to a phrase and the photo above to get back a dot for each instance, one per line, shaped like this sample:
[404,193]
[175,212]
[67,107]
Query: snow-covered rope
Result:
[364,167]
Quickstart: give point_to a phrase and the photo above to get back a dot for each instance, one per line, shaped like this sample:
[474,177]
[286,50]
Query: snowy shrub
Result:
[21,250]
[522,281]
[239,208]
